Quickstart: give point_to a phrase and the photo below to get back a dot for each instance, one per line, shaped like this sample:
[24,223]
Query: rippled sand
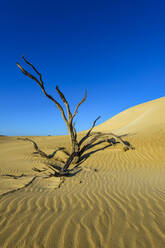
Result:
[122,204]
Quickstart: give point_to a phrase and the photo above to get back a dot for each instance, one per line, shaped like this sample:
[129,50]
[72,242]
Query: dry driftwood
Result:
[78,147]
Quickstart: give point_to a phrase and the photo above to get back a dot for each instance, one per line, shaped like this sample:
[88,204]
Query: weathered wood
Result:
[40,152]
[68,120]
[89,132]
[76,146]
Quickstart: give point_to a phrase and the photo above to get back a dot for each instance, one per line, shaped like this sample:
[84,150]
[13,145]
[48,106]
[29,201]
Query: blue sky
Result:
[115,49]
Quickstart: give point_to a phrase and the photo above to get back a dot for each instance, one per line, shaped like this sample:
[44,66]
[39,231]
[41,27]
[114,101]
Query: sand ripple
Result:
[119,205]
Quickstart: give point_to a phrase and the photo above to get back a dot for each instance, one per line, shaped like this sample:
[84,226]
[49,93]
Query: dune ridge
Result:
[119,205]
[138,118]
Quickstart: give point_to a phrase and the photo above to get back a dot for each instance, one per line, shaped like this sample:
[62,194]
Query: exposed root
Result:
[14,176]
[40,152]
[95,138]
[18,189]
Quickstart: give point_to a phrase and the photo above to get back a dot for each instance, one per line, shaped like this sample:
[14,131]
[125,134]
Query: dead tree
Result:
[76,146]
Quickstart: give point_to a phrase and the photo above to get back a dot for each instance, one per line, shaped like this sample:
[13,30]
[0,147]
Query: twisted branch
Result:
[65,102]
[78,105]
[107,136]
[41,84]
[89,132]
[40,152]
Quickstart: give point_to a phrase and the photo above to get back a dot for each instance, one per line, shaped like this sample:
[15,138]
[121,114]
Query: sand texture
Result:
[116,201]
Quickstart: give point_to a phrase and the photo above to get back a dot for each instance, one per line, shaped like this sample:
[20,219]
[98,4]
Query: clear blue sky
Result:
[115,49]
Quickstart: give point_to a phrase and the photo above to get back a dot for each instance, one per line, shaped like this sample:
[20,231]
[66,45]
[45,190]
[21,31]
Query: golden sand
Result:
[122,205]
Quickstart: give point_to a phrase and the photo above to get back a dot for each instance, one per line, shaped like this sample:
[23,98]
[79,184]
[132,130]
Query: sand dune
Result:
[149,115]
[121,205]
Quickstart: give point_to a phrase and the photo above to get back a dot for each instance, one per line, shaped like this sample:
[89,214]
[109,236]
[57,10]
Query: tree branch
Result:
[39,74]
[28,74]
[65,102]
[41,84]
[89,132]
[38,151]
[126,144]
[78,105]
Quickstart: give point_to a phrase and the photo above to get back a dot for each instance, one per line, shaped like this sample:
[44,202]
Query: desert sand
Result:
[116,201]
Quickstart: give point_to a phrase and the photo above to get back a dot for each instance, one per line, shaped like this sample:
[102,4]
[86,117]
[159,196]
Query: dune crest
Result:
[149,115]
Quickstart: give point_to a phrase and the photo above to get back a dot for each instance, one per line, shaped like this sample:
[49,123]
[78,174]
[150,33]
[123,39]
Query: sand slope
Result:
[120,205]
[149,115]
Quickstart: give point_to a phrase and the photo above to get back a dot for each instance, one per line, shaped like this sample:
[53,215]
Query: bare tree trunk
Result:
[74,157]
